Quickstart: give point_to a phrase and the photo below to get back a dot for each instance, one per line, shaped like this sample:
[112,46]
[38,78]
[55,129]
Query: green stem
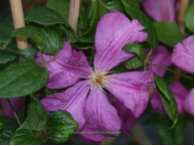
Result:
[10,104]
[163,67]
[13,51]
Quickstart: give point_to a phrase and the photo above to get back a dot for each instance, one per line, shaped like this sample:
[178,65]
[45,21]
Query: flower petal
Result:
[127,118]
[68,67]
[7,111]
[179,93]
[131,89]
[100,116]
[188,103]
[160,56]
[183,54]
[72,100]
[114,31]
[160,10]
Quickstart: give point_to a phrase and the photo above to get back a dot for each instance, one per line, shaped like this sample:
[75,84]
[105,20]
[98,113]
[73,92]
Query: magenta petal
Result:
[160,56]
[127,118]
[68,67]
[160,10]
[131,89]
[100,116]
[72,100]
[179,93]
[188,103]
[7,111]
[114,31]
[183,54]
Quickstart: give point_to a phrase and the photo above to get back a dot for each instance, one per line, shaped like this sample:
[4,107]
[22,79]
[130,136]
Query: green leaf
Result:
[45,16]
[6,28]
[135,12]
[28,52]
[88,36]
[47,40]
[134,63]
[115,5]
[167,98]
[36,118]
[61,124]
[168,33]
[5,135]
[61,7]
[174,136]
[137,49]
[1,126]
[22,78]
[6,56]
[24,137]
[189,17]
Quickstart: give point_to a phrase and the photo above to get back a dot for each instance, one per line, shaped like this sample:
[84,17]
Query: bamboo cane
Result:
[18,19]
[183,5]
[74,14]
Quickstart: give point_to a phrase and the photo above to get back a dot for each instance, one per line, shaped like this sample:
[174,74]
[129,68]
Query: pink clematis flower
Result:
[87,100]
[188,103]
[160,56]
[128,120]
[183,54]
[179,93]
[6,109]
[161,10]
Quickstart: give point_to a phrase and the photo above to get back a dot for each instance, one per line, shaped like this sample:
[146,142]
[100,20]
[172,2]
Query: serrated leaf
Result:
[136,13]
[5,135]
[135,48]
[24,137]
[45,16]
[36,118]
[168,33]
[6,56]
[28,52]
[189,17]
[47,40]
[167,98]
[134,63]
[6,28]
[115,5]
[88,36]
[61,7]
[61,124]
[22,78]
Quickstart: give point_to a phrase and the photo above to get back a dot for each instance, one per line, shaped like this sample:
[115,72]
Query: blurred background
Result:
[142,133]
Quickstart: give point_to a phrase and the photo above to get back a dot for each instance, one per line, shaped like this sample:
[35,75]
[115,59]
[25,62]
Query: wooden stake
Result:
[18,19]
[74,13]
[183,5]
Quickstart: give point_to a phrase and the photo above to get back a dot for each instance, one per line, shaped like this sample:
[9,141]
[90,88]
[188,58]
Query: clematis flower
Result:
[188,103]
[160,56]
[160,10]
[183,54]
[87,99]
[127,118]
[179,93]
[6,109]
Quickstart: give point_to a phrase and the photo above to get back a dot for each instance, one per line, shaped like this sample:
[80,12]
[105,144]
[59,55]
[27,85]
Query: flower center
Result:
[98,79]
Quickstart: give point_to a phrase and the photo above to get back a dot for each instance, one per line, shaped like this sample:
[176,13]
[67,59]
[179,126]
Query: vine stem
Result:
[10,104]
[18,19]
[74,14]
[13,51]
[163,67]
